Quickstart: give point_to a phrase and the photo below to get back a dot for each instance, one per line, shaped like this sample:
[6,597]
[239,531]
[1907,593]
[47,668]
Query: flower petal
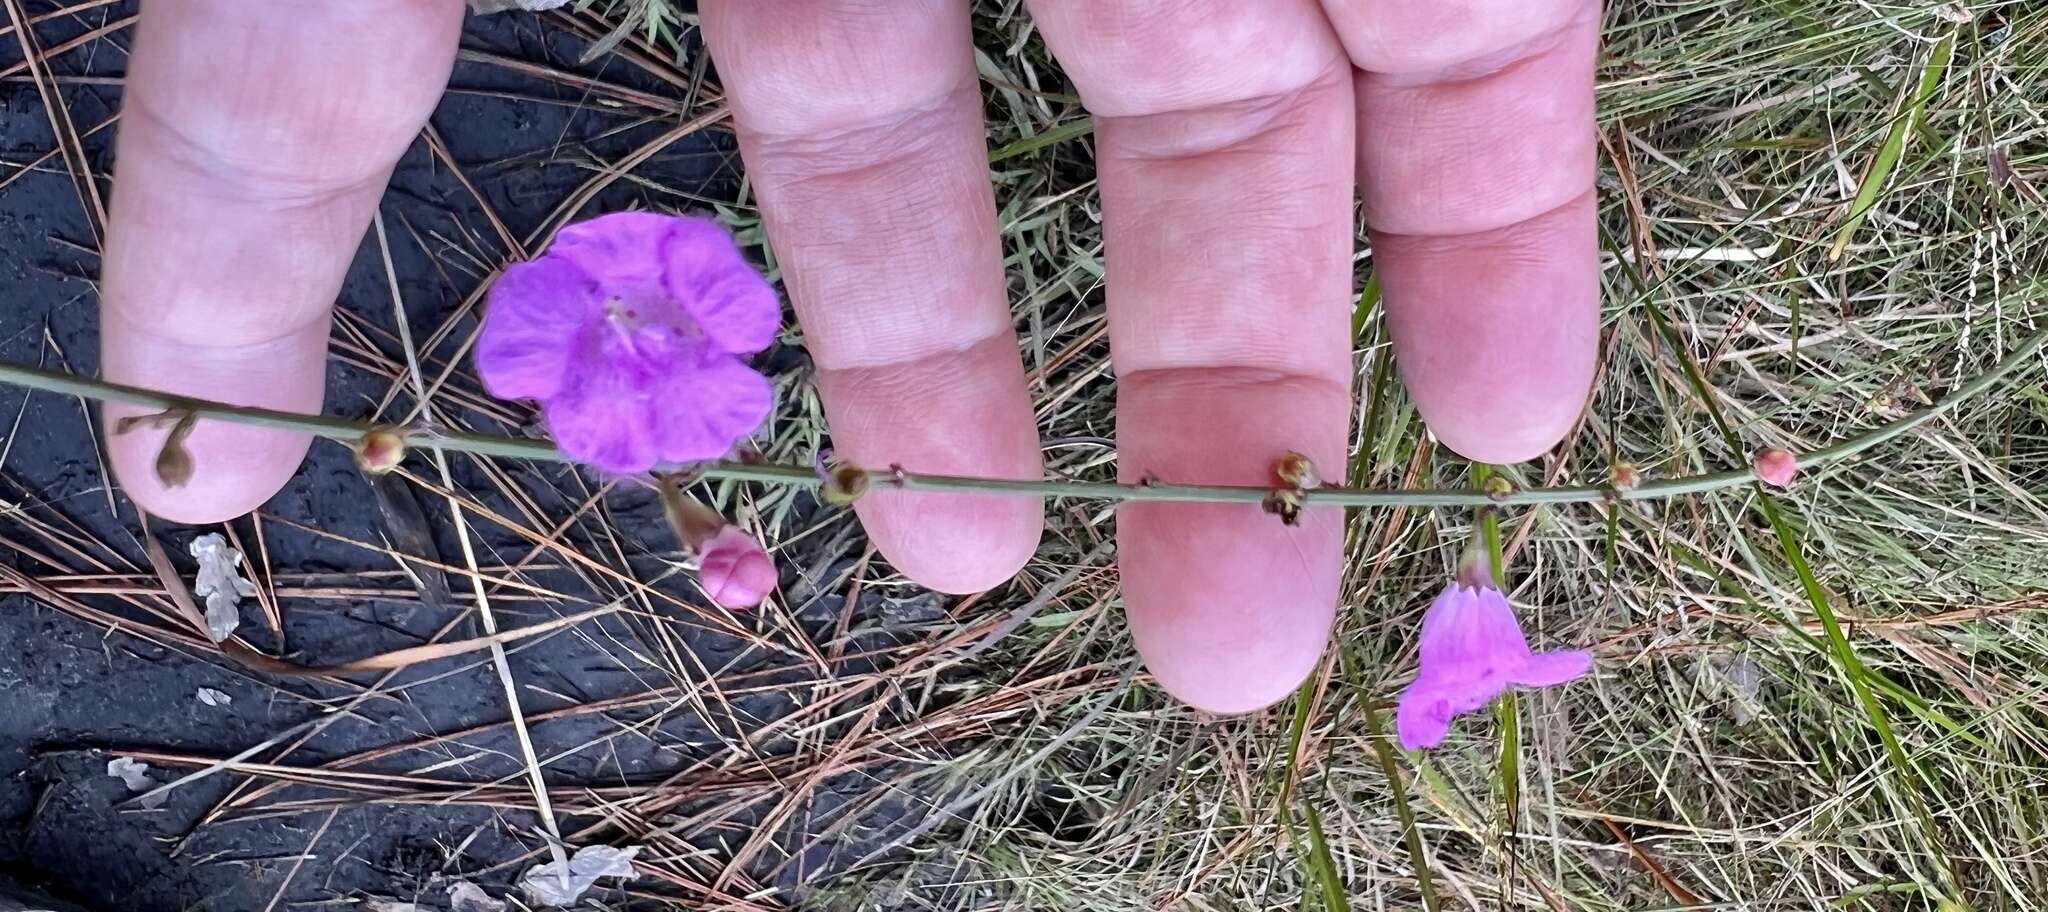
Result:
[530,326]
[619,250]
[1420,721]
[605,426]
[1471,626]
[1546,668]
[713,282]
[1472,649]
[1424,713]
[701,412]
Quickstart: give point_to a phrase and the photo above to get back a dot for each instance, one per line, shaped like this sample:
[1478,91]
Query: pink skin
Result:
[1230,138]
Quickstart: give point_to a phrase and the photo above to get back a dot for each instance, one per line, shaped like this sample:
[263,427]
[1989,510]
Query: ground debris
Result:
[545,885]
[211,697]
[499,6]
[464,896]
[220,583]
[134,774]
[1742,681]
[405,527]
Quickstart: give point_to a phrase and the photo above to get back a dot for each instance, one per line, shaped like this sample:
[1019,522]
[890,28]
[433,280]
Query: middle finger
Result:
[1224,146]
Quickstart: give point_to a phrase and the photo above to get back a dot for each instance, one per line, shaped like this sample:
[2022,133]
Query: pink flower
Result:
[630,332]
[734,569]
[1472,650]
[1775,467]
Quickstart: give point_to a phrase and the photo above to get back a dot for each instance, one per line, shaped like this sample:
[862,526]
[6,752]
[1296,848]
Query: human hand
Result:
[1228,136]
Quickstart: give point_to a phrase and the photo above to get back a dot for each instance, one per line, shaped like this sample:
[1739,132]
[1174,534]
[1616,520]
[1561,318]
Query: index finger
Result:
[1224,144]
[245,178]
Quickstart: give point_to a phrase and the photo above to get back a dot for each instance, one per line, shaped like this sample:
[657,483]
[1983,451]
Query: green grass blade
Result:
[1324,866]
[1404,811]
[1856,675]
[1840,651]
[1029,144]
[1368,299]
[1506,709]
[1895,143]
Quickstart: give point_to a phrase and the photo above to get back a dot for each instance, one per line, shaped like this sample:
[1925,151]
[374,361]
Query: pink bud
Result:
[735,570]
[1775,467]
[380,450]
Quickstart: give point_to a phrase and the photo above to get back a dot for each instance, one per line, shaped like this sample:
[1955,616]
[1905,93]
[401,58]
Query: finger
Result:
[860,123]
[1476,165]
[255,140]
[1224,147]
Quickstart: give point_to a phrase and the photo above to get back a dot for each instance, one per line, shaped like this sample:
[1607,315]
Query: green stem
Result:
[1506,708]
[37,378]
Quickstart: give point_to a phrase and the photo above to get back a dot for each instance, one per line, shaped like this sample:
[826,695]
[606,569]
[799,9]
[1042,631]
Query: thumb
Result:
[256,138]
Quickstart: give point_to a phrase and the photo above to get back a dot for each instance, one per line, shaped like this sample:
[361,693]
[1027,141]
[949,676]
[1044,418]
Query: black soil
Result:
[75,692]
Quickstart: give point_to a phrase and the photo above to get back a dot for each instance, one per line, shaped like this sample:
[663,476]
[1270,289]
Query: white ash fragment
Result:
[545,885]
[134,774]
[131,771]
[220,583]
[464,896]
[211,697]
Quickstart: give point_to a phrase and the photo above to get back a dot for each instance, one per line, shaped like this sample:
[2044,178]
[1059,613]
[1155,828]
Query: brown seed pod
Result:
[1284,503]
[174,462]
[843,484]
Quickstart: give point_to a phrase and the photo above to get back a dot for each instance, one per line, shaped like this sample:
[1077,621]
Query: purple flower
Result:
[630,332]
[1472,650]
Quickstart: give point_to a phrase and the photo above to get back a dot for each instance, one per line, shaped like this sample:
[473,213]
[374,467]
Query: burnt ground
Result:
[639,747]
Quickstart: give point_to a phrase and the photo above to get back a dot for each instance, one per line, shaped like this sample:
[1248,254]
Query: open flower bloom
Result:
[734,569]
[630,332]
[1472,650]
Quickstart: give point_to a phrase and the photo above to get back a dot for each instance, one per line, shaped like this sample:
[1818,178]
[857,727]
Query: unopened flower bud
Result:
[380,450]
[735,570]
[1498,487]
[1297,471]
[1774,466]
[1624,477]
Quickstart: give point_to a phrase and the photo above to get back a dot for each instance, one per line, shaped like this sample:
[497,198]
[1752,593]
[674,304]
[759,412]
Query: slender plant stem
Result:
[806,476]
